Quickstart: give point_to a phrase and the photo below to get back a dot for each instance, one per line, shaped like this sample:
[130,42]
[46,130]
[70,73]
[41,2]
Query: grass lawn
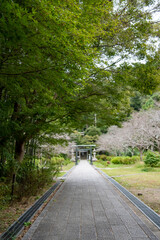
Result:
[111,165]
[65,169]
[68,166]
[141,181]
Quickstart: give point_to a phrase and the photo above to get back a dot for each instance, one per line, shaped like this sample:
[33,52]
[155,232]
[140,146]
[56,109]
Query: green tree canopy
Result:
[92,131]
[57,64]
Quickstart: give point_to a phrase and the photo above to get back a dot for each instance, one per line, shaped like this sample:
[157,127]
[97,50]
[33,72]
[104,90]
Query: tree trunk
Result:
[2,162]
[1,92]
[19,155]
[19,150]
[141,155]
[152,147]
[13,184]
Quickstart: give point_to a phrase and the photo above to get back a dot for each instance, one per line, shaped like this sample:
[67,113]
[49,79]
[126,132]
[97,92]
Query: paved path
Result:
[87,207]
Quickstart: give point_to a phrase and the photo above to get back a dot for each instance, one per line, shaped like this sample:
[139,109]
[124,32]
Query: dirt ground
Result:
[9,214]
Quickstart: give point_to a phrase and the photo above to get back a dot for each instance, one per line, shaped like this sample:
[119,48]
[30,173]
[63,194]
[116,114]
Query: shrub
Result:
[98,157]
[104,163]
[66,161]
[10,166]
[63,155]
[30,177]
[103,157]
[5,190]
[152,159]
[117,160]
[135,159]
[125,160]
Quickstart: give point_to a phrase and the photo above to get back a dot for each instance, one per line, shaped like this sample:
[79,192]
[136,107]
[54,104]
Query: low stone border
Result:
[18,226]
[147,211]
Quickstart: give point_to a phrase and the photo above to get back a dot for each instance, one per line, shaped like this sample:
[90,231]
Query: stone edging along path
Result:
[88,207]
[18,225]
[16,228]
[147,211]
[90,190]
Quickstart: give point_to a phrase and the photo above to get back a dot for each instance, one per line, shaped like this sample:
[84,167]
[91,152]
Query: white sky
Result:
[156,16]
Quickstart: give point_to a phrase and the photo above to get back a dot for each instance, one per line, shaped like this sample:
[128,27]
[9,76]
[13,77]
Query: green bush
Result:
[125,160]
[103,157]
[30,177]
[56,160]
[135,159]
[98,157]
[116,160]
[5,190]
[66,161]
[158,165]
[104,163]
[152,159]
[9,167]
[148,104]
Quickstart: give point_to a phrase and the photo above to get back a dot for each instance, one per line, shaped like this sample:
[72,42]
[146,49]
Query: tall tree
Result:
[51,68]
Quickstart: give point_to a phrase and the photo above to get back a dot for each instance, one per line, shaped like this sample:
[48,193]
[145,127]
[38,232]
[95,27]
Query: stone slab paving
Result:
[87,207]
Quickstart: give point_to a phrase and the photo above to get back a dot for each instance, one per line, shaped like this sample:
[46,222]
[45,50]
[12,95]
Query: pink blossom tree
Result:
[141,132]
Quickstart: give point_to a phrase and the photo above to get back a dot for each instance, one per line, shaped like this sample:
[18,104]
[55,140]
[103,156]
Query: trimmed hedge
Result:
[125,160]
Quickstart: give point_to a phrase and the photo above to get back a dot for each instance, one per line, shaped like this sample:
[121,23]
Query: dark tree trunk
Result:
[19,155]
[2,162]
[13,184]
[1,92]
[19,150]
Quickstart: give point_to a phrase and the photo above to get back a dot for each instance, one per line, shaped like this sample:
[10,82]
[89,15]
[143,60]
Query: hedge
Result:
[125,160]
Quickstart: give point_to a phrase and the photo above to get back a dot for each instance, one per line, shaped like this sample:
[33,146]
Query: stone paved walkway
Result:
[87,207]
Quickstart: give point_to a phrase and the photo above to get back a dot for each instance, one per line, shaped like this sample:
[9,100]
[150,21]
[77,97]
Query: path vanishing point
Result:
[88,207]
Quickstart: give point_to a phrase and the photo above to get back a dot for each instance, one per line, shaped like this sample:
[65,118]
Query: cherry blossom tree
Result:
[141,132]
